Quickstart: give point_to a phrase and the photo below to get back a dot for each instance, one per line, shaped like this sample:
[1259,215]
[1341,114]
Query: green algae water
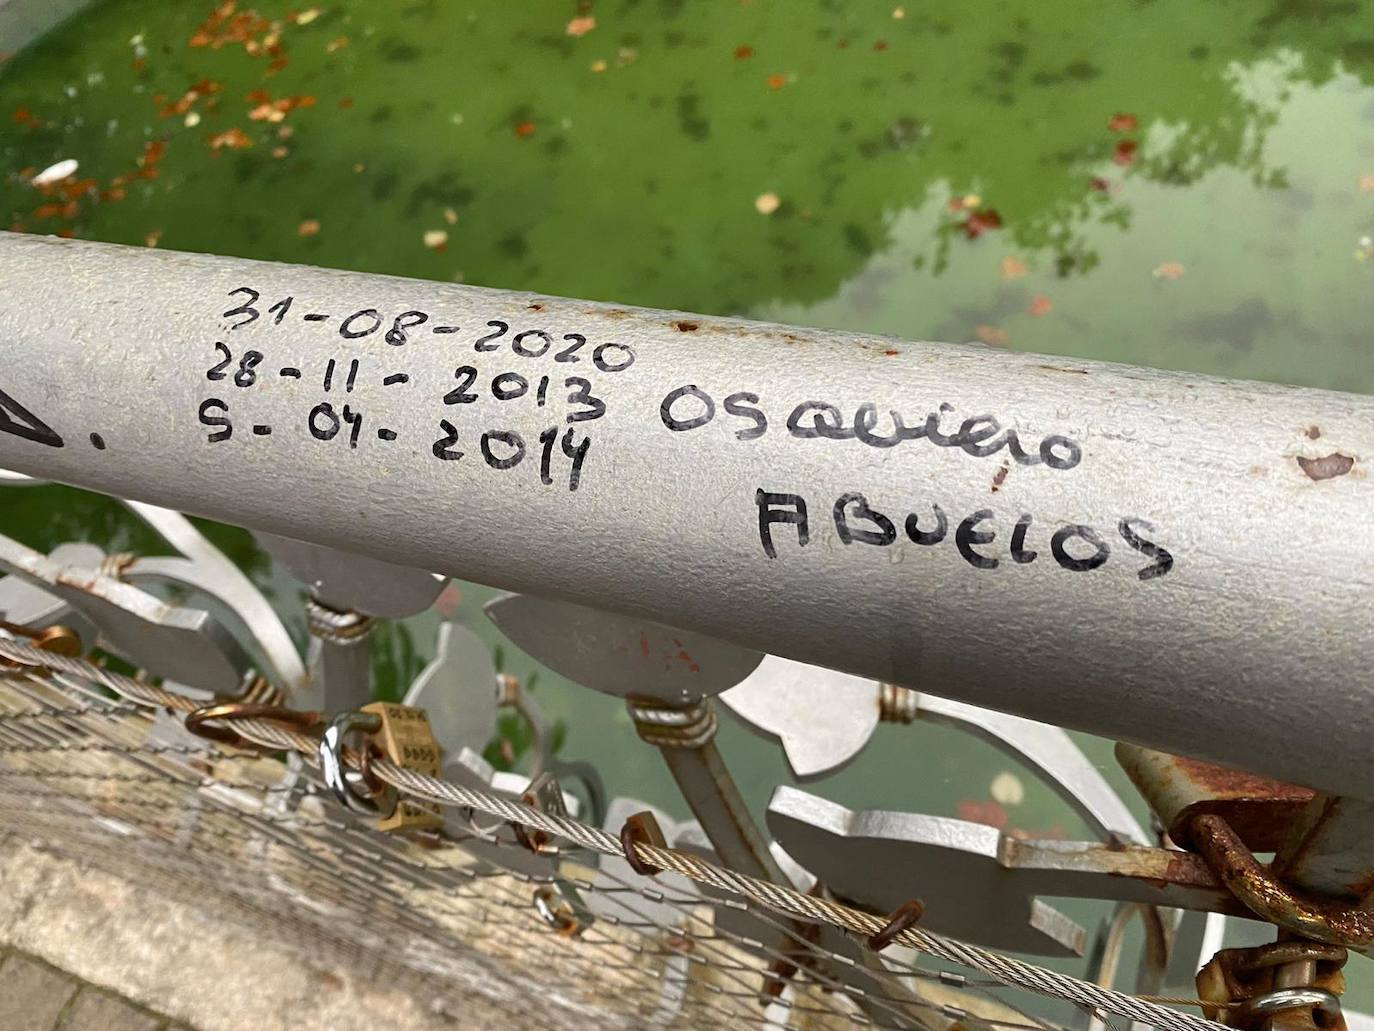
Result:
[1180,183]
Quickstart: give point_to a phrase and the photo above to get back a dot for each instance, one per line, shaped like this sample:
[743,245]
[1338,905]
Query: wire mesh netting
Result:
[587,941]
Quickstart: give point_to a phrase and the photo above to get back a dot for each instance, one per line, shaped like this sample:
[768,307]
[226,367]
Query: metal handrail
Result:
[1152,556]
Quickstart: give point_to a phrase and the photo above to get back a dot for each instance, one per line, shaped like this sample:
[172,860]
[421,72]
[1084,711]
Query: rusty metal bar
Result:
[1170,559]
[1320,919]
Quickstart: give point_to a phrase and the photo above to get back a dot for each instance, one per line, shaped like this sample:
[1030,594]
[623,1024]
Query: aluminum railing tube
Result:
[1165,558]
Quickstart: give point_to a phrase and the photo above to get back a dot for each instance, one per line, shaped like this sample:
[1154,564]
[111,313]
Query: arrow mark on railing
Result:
[16,419]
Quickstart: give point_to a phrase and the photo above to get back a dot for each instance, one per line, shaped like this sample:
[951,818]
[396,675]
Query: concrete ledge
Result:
[184,966]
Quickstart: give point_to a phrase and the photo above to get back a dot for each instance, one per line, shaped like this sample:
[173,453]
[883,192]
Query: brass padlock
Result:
[407,740]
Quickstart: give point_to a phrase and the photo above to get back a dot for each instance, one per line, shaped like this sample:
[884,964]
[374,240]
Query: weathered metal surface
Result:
[822,719]
[218,576]
[344,589]
[747,481]
[1322,919]
[1330,849]
[978,883]
[350,581]
[1052,754]
[1259,809]
[1259,978]
[667,677]
[621,656]
[23,603]
[188,645]
[458,690]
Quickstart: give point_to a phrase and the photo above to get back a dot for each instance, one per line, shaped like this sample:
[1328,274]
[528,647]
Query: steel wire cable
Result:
[778,898]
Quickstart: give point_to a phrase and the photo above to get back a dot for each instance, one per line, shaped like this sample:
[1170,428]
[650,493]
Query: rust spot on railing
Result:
[1328,468]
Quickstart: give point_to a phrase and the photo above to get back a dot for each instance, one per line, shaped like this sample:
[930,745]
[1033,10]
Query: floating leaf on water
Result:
[992,335]
[269,110]
[581,26]
[183,104]
[985,812]
[904,132]
[979,222]
[1013,267]
[307,16]
[234,139]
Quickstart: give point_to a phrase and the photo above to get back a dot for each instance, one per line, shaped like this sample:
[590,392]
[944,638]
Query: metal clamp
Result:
[334,773]
[60,640]
[672,726]
[557,913]
[1244,987]
[642,829]
[903,918]
[335,626]
[544,794]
